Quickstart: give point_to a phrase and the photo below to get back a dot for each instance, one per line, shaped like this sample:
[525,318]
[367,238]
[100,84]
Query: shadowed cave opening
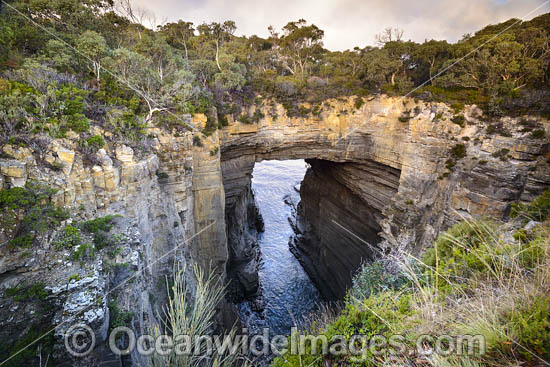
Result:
[296,236]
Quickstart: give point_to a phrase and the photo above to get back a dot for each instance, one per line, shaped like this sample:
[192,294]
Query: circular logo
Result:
[79,340]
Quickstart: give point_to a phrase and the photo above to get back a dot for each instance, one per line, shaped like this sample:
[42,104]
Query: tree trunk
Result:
[431,71]
[186,55]
[160,71]
[98,71]
[217,56]
[289,68]
[152,110]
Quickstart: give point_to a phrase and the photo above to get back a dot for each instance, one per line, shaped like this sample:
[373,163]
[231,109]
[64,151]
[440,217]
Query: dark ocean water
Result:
[288,293]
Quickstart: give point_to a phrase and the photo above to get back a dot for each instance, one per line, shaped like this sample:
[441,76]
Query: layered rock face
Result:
[243,222]
[393,173]
[162,198]
[338,220]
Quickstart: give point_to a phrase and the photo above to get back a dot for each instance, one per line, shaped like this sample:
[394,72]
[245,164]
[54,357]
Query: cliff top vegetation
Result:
[65,64]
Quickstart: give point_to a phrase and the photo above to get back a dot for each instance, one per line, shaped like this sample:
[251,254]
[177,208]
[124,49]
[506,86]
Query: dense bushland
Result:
[79,62]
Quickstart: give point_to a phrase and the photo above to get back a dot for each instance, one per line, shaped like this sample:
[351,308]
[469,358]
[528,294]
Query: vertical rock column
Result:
[209,247]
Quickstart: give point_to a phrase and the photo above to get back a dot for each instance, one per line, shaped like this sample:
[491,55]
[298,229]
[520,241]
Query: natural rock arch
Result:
[390,157]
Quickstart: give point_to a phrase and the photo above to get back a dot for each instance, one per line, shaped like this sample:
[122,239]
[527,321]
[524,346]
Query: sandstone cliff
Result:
[158,198]
[392,173]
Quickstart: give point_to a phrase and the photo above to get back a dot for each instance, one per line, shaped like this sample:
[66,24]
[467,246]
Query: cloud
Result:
[349,23]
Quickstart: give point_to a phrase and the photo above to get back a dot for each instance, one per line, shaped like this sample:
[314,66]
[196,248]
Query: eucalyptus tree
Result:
[431,55]
[218,33]
[93,46]
[299,46]
[178,34]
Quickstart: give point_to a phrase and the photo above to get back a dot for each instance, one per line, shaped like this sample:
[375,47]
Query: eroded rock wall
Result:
[406,163]
[338,220]
[163,198]
[243,222]
[388,172]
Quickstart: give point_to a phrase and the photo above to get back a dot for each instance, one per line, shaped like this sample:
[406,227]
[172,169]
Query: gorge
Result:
[376,179]
[181,193]
[380,179]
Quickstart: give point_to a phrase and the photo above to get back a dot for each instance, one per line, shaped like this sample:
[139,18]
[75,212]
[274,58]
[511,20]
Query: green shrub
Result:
[303,111]
[373,278]
[78,123]
[197,141]
[38,213]
[533,252]
[457,107]
[405,116]
[41,218]
[538,209]
[70,237]
[257,116]
[162,175]
[95,142]
[501,154]
[449,164]
[222,120]
[538,134]
[104,224]
[291,109]
[244,119]
[75,277]
[84,251]
[461,250]
[531,325]
[5,85]
[22,293]
[359,102]
[200,104]
[459,120]
[118,317]
[521,235]
[211,125]
[102,240]
[22,352]
[115,252]
[100,227]
[57,166]
[16,197]
[458,151]
[23,241]
[316,110]
[381,313]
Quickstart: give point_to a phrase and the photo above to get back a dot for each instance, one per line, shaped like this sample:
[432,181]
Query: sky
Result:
[350,23]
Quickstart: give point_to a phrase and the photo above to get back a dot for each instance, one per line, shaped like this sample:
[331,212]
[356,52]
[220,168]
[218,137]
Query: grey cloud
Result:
[349,23]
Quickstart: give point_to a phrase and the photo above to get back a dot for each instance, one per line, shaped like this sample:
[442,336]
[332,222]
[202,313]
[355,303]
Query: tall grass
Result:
[193,316]
[480,280]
